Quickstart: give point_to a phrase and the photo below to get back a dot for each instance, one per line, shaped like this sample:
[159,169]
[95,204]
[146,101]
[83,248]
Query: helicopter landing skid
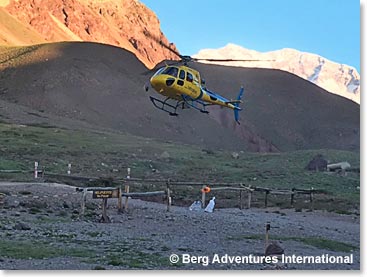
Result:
[164,106]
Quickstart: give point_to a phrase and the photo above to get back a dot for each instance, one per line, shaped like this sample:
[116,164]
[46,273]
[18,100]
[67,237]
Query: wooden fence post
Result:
[119,200]
[35,170]
[127,190]
[203,196]
[266,198]
[249,198]
[128,173]
[105,218]
[267,229]
[169,199]
[311,198]
[292,196]
[241,192]
[84,200]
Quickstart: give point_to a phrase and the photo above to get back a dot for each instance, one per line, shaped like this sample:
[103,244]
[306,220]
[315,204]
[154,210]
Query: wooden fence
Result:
[245,192]
[128,181]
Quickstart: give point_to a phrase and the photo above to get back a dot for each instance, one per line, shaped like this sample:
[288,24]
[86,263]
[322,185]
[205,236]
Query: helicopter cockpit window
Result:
[159,71]
[173,71]
[182,74]
[189,77]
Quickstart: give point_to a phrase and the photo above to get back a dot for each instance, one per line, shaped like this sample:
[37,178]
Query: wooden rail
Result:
[219,186]
[169,183]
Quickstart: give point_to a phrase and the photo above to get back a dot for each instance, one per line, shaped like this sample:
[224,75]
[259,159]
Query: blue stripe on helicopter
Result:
[217,96]
[200,95]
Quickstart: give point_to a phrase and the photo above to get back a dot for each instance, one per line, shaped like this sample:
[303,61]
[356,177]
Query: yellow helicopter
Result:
[183,88]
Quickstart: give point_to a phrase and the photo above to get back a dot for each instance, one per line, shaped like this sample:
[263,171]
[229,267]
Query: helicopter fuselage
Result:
[176,82]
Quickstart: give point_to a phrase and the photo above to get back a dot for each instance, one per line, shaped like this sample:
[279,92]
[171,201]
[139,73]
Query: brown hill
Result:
[88,85]
[123,23]
[290,112]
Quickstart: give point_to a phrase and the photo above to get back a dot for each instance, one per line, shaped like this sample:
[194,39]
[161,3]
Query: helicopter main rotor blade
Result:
[186,58]
[158,40]
[170,49]
[229,60]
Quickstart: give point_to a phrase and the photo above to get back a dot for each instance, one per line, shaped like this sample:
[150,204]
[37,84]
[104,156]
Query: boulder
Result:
[22,226]
[165,155]
[318,163]
[274,249]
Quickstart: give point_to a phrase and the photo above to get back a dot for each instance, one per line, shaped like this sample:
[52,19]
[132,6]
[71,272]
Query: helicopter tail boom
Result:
[237,108]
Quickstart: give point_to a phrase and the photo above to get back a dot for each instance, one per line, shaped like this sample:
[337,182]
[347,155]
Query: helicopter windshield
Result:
[158,71]
[173,71]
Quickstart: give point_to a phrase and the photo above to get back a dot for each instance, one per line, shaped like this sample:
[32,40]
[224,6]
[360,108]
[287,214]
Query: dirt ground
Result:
[41,228]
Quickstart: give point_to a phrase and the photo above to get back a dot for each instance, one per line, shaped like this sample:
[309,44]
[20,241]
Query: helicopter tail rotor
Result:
[237,106]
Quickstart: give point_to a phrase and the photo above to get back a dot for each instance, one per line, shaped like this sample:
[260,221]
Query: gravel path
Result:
[41,228]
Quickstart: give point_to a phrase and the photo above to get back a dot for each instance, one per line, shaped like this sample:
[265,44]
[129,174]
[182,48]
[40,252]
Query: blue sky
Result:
[330,28]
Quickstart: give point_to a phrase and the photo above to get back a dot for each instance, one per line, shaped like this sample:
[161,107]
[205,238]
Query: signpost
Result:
[104,194]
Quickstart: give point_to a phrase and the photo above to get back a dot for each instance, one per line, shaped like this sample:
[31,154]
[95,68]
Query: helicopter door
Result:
[180,81]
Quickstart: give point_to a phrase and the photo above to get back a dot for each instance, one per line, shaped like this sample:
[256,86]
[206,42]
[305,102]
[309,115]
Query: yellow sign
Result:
[108,193]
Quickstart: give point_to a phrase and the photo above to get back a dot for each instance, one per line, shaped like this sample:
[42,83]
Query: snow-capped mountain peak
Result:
[334,77]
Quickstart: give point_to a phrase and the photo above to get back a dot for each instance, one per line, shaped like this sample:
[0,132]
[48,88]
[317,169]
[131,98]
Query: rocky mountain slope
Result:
[67,84]
[336,78]
[123,23]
